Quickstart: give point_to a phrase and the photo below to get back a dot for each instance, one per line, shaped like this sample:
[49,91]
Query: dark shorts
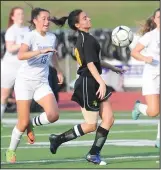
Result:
[85,93]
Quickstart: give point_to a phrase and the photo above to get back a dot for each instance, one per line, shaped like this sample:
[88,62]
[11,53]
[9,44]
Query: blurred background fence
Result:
[117,56]
[110,53]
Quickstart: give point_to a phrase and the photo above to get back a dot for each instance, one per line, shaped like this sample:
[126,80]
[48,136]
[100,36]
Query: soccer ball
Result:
[122,36]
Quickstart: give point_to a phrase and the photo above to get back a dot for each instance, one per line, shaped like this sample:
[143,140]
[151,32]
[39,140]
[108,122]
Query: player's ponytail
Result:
[149,24]
[73,19]
[59,22]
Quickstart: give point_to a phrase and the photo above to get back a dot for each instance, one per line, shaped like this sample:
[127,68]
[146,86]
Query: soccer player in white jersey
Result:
[10,63]
[150,43]
[37,49]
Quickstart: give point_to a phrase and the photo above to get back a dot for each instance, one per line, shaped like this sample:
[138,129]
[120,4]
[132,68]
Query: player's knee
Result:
[112,120]
[109,120]
[52,116]
[153,112]
[4,98]
[23,124]
[91,127]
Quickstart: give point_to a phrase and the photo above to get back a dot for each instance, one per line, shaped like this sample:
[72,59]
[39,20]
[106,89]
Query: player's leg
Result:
[102,132]
[150,109]
[7,82]
[90,116]
[78,130]
[151,91]
[5,92]
[24,95]
[23,110]
[45,98]
[152,105]
[51,112]
[8,75]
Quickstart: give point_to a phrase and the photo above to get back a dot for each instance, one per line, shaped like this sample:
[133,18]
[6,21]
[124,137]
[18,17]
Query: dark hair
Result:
[10,20]
[149,24]
[34,13]
[73,18]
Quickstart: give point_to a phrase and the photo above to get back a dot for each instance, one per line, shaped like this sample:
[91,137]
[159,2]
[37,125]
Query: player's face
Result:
[42,21]
[157,18]
[18,16]
[84,21]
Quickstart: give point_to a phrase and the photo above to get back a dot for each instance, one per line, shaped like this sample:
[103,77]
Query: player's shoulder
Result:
[11,29]
[86,37]
[51,35]
[26,29]
[150,33]
[89,39]
[30,36]
[153,32]
[30,33]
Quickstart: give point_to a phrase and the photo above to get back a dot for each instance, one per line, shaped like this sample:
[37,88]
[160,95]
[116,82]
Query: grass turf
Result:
[118,154]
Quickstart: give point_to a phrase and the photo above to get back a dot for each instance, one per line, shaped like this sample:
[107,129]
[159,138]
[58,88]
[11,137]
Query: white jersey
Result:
[37,67]
[15,34]
[151,41]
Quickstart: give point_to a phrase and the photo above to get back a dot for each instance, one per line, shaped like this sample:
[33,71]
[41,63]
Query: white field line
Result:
[13,121]
[121,142]
[111,132]
[82,160]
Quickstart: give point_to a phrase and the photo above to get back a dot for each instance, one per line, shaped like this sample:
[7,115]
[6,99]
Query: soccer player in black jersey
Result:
[90,91]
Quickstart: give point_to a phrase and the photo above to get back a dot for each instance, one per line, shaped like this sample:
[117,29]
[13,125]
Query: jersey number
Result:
[44,58]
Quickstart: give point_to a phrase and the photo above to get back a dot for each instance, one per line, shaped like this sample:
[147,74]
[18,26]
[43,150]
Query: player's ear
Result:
[35,21]
[77,25]
[12,18]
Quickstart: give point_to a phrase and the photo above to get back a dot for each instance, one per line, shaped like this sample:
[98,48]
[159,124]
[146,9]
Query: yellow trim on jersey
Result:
[76,52]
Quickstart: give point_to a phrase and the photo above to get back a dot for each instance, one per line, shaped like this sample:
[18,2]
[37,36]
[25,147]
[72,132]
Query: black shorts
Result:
[85,93]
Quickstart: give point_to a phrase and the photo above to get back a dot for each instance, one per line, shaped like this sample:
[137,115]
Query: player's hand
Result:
[101,90]
[119,70]
[60,78]
[46,50]
[155,62]
[148,60]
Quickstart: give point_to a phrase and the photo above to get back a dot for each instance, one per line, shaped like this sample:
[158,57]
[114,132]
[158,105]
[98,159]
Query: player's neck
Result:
[84,30]
[18,24]
[41,32]
[158,28]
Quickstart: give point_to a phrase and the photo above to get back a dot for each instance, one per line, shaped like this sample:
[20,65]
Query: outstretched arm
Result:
[111,67]
[58,69]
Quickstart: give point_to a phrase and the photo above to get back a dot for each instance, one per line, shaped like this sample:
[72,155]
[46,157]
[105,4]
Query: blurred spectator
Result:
[10,63]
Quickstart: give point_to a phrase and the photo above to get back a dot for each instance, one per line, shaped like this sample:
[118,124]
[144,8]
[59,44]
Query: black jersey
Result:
[87,49]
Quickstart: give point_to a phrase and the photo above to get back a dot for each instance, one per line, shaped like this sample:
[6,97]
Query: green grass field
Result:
[105,14]
[130,144]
